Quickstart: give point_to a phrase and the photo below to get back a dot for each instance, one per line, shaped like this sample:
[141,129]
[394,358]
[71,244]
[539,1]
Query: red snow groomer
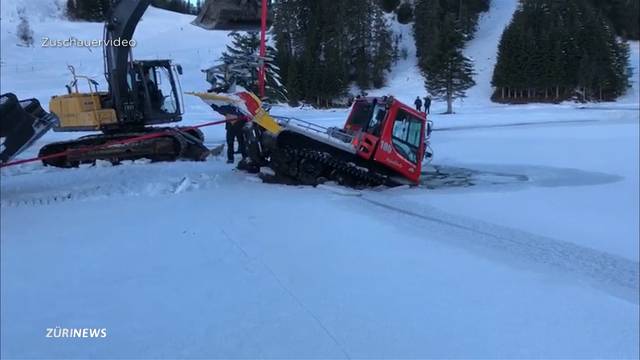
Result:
[383,142]
[392,136]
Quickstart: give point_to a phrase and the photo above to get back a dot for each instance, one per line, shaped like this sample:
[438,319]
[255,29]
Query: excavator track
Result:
[170,145]
[312,167]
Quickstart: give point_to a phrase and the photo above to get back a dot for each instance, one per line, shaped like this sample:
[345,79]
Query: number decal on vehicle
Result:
[386,147]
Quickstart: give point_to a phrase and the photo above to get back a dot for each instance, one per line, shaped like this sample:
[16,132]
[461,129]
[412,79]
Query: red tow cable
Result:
[108,144]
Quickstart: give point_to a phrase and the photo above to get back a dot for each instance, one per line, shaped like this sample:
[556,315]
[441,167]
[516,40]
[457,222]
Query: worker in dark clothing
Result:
[418,103]
[157,98]
[155,95]
[234,124]
[234,127]
[427,104]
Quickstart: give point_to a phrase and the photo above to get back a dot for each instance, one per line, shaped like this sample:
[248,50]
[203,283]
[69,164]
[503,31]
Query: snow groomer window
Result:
[379,113]
[406,135]
[361,114]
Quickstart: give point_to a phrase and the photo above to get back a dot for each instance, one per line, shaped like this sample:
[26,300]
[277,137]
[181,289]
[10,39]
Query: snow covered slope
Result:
[522,241]
[483,49]
[35,10]
[406,82]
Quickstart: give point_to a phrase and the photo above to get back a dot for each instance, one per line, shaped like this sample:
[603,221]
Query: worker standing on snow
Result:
[234,126]
[418,103]
[427,104]
[235,121]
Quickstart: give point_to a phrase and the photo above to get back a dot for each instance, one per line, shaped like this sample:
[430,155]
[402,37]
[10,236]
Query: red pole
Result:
[263,49]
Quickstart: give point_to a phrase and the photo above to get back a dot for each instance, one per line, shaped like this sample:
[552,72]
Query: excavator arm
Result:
[122,19]
[121,23]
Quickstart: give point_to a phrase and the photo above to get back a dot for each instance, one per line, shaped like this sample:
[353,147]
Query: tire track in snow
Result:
[289,292]
[613,274]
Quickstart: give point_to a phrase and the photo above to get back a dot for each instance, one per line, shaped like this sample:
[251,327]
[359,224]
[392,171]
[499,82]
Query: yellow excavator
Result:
[141,93]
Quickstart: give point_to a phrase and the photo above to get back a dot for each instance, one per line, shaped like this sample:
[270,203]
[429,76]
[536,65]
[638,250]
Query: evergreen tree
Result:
[383,52]
[325,45]
[240,65]
[198,7]
[447,71]
[361,40]
[96,10]
[389,5]
[554,50]
[179,6]
[426,28]
[88,10]
[468,12]
[405,13]
[72,10]
[23,31]
[290,23]
[440,30]
[624,15]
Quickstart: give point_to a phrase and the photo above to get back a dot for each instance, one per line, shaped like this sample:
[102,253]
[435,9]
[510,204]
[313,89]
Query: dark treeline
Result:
[96,10]
[431,14]
[623,14]
[441,29]
[87,10]
[554,50]
[323,46]
[179,6]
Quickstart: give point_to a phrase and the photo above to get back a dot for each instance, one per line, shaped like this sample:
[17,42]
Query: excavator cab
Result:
[156,84]
[154,97]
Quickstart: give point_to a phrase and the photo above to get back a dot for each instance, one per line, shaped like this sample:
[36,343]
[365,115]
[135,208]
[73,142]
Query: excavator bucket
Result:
[22,122]
[238,15]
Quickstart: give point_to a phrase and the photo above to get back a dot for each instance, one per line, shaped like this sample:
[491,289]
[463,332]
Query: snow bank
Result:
[35,10]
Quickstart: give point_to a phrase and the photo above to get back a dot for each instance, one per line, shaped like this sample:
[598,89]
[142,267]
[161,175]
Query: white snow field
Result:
[522,241]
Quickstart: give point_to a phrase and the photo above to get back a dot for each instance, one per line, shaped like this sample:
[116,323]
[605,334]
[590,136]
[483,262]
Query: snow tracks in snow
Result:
[613,274]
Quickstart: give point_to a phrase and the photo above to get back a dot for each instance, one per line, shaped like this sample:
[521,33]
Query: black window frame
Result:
[415,149]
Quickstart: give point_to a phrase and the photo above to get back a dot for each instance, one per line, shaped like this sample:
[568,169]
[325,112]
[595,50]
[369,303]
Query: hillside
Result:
[195,48]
